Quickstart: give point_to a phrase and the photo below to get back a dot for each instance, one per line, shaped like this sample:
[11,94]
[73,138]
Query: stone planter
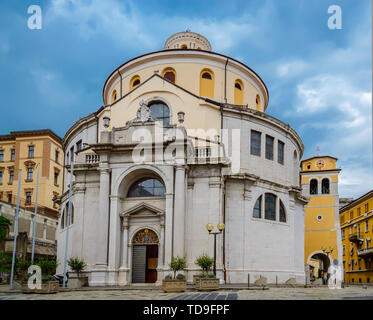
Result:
[174,285]
[46,287]
[208,284]
[77,282]
[196,278]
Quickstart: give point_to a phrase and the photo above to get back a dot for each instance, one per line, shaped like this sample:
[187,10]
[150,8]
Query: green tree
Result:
[205,262]
[76,264]
[4,226]
[177,264]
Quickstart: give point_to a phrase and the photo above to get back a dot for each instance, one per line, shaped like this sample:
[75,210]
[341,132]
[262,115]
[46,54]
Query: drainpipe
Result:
[225,81]
[224,201]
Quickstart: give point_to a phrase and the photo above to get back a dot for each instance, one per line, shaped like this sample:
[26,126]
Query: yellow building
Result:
[322,242]
[356,219]
[25,150]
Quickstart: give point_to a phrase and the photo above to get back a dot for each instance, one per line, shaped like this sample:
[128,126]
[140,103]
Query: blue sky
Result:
[319,80]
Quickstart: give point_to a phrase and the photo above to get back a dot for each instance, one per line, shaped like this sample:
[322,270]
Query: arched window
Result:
[282,212]
[257,213]
[257,102]
[313,186]
[147,187]
[206,86]
[325,186]
[160,111]
[184,46]
[135,81]
[65,216]
[238,92]
[114,96]
[63,220]
[270,207]
[169,74]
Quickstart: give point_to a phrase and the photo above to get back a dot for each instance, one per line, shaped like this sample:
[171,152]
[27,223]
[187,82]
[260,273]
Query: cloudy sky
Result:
[319,80]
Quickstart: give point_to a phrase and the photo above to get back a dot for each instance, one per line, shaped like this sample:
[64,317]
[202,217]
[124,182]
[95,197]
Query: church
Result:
[183,140]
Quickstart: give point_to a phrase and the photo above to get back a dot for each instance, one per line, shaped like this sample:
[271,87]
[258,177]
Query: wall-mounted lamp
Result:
[180,116]
[106,121]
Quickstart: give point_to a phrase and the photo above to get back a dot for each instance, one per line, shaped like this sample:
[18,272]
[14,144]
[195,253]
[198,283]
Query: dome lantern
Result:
[187,40]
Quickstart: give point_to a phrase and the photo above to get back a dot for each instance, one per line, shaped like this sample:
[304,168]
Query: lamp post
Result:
[209,228]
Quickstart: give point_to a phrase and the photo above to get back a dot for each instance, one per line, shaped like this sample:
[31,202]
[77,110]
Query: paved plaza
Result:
[319,293]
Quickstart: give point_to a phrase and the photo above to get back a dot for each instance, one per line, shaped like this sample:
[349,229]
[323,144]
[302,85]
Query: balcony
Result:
[365,253]
[356,237]
[92,158]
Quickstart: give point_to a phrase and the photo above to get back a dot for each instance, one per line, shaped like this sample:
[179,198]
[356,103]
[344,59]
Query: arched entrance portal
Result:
[144,256]
[319,264]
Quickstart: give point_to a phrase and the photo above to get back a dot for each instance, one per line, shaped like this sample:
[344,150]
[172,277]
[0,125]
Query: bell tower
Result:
[322,239]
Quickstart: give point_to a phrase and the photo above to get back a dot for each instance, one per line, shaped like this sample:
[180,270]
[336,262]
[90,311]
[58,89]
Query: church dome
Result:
[187,40]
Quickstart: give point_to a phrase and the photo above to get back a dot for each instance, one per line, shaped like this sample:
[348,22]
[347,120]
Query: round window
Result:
[319,217]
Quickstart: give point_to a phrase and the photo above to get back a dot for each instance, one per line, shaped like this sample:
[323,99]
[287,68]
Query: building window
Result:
[160,111]
[169,74]
[351,215]
[1,155]
[255,142]
[358,211]
[1,177]
[206,85]
[114,96]
[9,197]
[282,212]
[135,81]
[342,219]
[56,155]
[11,176]
[366,225]
[366,207]
[12,154]
[30,173]
[343,234]
[238,92]
[344,250]
[147,187]
[280,152]
[65,213]
[257,102]
[270,207]
[31,150]
[28,197]
[79,145]
[56,178]
[269,147]
[325,186]
[313,186]
[257,213]
[72,154]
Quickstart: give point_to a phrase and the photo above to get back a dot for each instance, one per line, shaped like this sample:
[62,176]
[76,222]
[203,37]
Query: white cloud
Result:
[125,24]
[291,68]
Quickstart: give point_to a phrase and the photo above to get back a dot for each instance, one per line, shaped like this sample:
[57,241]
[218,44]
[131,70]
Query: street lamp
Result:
[209,228]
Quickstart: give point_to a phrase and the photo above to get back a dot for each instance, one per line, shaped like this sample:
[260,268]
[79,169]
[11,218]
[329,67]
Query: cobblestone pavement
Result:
[323,293]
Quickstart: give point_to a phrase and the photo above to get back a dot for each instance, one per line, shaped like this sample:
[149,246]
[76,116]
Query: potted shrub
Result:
[206,281]
[205,263]
[77,280]
[177,283]
[48,269]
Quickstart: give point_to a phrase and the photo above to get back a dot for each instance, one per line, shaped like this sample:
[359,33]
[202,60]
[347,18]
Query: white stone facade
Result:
[205,181]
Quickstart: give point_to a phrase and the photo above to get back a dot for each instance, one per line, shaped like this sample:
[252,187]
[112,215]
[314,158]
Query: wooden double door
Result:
[144,263]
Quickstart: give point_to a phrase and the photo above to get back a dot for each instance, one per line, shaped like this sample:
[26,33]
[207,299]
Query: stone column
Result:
[103,218]
[160,266]
[179,214]
[124,270]
[114,241]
